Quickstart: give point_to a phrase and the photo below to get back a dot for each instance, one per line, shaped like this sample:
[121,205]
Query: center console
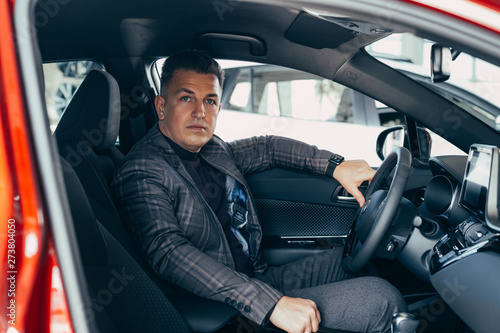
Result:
[465,263]
[468,238]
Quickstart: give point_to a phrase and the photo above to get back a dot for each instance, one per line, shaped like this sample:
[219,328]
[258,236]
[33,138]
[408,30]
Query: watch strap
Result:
[333,162]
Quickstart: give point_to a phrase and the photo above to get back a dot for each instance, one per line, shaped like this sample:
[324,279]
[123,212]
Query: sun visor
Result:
[316,32]
[230,45]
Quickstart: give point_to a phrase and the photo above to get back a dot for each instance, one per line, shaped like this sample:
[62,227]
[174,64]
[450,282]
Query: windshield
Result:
[474,84]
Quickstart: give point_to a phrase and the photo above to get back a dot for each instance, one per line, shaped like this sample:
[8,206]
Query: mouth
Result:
[197,127]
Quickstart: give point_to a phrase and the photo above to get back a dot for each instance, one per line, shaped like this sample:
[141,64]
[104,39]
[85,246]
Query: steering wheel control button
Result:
[391,246]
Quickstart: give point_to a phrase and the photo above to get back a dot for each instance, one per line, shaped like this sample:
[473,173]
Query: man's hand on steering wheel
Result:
[351,174]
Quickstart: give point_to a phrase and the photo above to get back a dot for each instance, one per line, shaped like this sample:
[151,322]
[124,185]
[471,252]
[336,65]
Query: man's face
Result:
[189,114]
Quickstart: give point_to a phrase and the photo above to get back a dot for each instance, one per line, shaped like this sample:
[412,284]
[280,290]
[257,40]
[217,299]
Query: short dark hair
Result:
[197,61]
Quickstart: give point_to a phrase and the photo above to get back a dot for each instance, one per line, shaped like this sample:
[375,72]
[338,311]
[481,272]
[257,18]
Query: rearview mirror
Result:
[440,63]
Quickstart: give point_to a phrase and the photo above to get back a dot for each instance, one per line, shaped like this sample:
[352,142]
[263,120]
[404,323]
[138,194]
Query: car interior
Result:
[301,214]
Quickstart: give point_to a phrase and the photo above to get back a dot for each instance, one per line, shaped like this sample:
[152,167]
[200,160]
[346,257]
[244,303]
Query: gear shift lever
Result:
[403,322]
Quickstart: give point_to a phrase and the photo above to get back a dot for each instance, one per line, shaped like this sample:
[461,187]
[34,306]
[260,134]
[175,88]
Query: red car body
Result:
[30,301]
[31,295]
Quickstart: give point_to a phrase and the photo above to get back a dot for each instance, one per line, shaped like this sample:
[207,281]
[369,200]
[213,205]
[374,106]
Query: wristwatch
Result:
[333,161]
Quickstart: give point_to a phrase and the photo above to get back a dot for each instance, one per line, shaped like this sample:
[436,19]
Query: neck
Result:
[183,154]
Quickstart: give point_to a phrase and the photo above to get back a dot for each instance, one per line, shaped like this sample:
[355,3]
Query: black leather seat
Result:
[86,137]
[87,132]
[122,296]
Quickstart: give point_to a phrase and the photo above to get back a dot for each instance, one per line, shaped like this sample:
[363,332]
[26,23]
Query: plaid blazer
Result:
[177,231]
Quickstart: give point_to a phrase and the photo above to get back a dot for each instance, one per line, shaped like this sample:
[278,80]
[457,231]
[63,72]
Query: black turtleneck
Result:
[212,184]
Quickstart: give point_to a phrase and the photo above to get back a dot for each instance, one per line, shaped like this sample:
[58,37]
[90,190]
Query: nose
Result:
[199,110]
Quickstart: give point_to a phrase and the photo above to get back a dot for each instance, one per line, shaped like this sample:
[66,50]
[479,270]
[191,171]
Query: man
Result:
[182,194]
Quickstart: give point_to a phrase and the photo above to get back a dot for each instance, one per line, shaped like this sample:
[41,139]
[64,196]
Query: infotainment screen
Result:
[476,180]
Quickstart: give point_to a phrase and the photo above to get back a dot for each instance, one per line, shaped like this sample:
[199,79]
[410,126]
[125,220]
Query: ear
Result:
[160,107]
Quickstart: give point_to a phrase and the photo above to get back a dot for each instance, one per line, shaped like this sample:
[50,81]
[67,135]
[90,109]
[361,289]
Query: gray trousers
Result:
[345,302]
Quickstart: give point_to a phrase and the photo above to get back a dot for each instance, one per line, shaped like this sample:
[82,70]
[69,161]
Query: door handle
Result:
[341,195]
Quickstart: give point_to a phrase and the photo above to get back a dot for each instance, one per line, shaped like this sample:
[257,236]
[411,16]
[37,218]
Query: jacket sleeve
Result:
[151,213]
[261,153]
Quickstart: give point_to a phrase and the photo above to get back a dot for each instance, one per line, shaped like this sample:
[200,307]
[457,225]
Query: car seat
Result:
[122,296]
[86,137]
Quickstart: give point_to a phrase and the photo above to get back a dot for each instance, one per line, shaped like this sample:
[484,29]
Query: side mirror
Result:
[396,136]
[389,139]
[440,63]
[425,143]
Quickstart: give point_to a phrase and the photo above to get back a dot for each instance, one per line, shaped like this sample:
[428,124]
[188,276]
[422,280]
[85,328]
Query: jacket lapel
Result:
[215,153]
[169,154]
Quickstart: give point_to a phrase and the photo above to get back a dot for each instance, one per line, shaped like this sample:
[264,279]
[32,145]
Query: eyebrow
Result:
[184,90]
[192,92]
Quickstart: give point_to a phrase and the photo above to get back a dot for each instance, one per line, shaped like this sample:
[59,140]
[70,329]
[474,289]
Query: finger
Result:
[372,174]
[308,326]
[314,324]
[357,195]
[315,319]
[365,174]
[318,316]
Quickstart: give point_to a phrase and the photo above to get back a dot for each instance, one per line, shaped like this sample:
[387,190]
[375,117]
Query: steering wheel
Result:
[374,218]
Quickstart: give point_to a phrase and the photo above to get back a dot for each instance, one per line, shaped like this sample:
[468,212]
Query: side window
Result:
[438,145]
[62,79]
[388,117]
[269,103]
[281,92]
[261,99]
[238,82]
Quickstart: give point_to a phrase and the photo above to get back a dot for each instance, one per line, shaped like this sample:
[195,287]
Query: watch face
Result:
[336,158]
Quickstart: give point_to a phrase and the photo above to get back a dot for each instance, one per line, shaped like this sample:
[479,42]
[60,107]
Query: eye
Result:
[211,102]
[185,98]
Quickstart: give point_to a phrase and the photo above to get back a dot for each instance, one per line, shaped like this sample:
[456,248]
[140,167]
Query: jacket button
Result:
[228,300]
[240,306]
[247,308]
[233,302]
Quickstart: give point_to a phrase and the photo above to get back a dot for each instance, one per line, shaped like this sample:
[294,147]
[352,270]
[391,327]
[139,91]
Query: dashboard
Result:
[464,264]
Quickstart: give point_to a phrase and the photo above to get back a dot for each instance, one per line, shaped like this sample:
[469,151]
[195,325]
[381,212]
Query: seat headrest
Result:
[93,115]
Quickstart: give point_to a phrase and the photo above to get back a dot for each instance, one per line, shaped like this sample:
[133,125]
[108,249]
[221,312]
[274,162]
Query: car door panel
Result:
[301,214]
